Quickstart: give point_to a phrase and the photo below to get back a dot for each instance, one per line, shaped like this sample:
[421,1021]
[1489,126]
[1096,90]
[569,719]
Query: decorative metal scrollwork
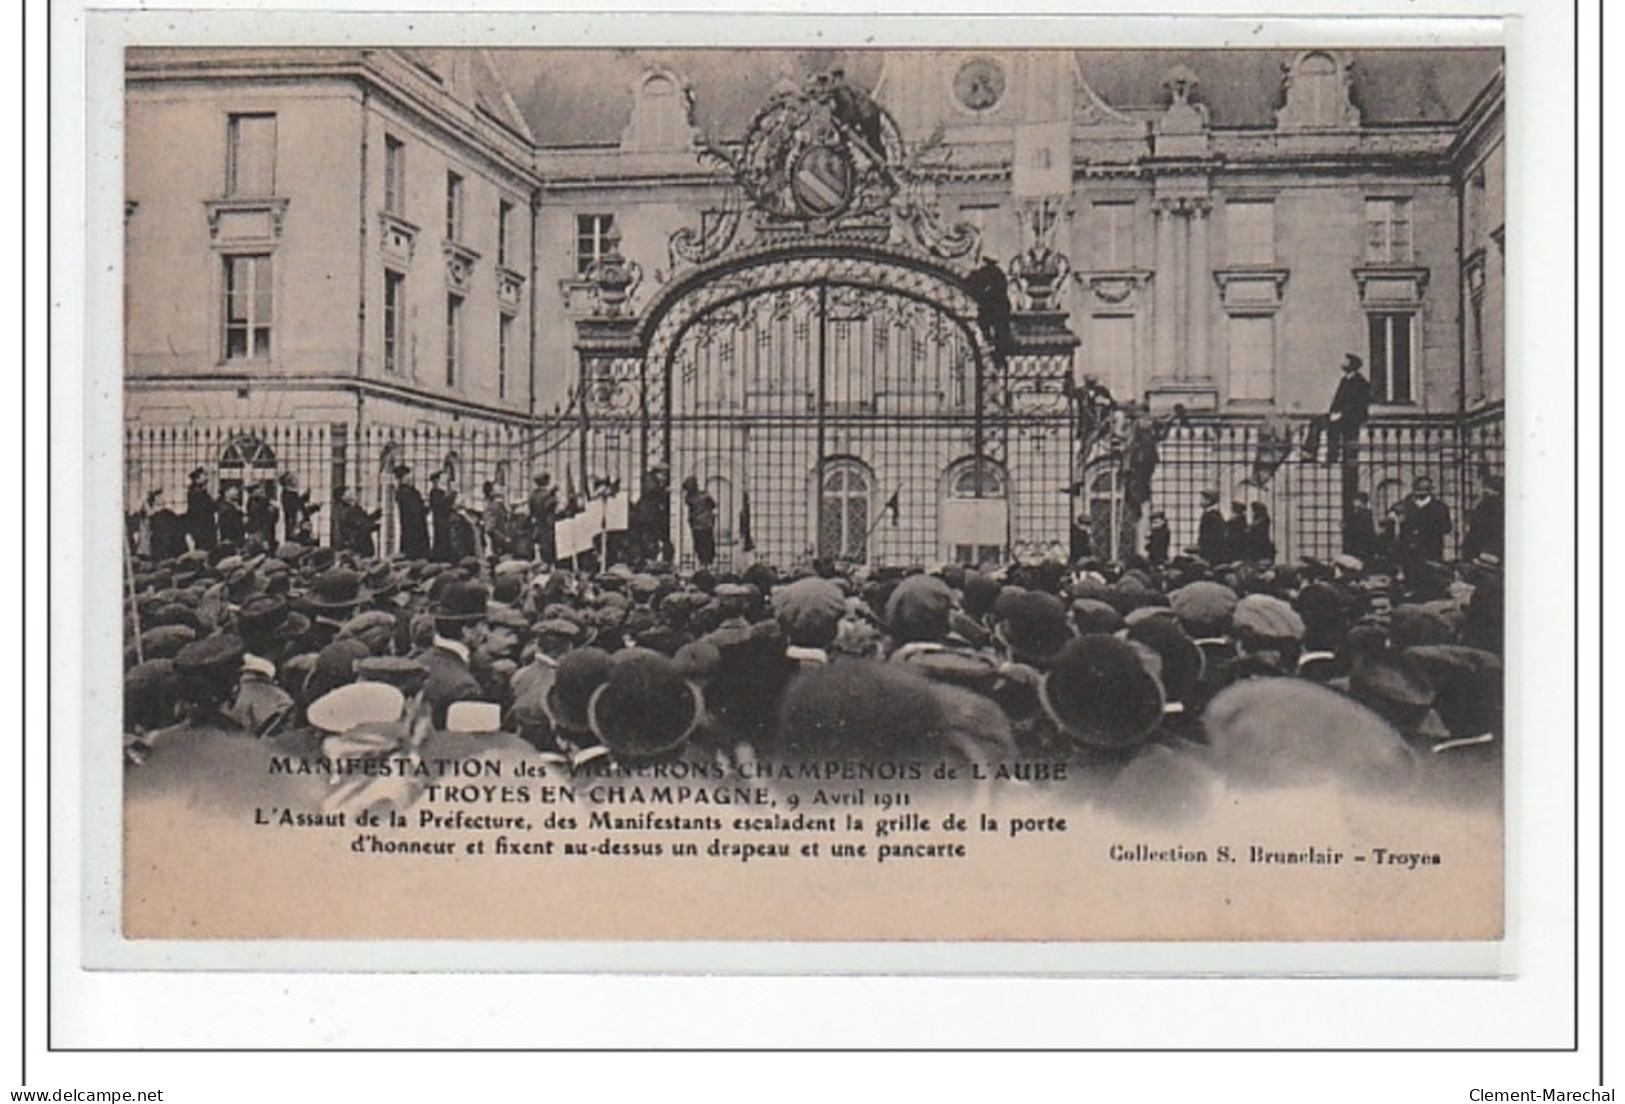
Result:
[821,159]
[713,237]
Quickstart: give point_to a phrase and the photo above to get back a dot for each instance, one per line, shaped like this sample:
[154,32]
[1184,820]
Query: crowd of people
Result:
[1147,675]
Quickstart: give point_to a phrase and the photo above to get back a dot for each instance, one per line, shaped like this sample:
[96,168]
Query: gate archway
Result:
[773,373]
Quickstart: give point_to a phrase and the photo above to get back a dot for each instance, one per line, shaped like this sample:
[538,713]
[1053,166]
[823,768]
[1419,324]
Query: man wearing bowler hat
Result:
[1158,539]
[449,659]
[200,510]
[1211,540]
[1424,522]
[441,503]
[331,600]
[231,522]
[414,515]
[543,506]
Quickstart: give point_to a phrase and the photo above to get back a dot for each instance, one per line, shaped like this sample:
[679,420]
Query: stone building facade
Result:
[329,267]
[757,269]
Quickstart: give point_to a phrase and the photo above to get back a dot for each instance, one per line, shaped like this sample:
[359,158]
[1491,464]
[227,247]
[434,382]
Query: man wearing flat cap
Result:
[809,611]
[208,763]
[1269,636]
[266,624]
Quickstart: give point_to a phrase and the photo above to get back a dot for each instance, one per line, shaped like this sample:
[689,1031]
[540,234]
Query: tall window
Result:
[592,240]
[975,514]
[1105,509]
[1112,235]
[1392,349]
[394,321]
[843,511]
[504,343]
[1318,86]
[454,338]
[247,307]
[251,155]
[1113,352]
[1252,357]
[454,207]
[1249,229]
[504,229]
[1388,231]
[394,175]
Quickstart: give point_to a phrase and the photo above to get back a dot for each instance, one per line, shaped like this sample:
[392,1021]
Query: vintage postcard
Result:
[990,494]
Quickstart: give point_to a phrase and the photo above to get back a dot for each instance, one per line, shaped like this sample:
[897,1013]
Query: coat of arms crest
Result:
[824,157]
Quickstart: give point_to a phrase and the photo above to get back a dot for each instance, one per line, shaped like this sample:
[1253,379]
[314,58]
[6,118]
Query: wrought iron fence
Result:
[1242,462]
[1305,498]
[324,457]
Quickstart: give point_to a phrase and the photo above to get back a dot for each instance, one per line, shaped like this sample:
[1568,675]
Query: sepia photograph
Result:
[813,494]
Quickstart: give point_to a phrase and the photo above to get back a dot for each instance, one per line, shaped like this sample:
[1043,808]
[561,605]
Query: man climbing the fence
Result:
[702,520]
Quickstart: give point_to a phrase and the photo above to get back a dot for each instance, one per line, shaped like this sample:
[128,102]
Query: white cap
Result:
[357,704]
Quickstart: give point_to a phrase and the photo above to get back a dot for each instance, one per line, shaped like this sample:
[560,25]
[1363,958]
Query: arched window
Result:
[1104,509]
[661,113]
[975,515]
[1317,74]
[246,460]
[843,510]
[969,479]
[1318,92]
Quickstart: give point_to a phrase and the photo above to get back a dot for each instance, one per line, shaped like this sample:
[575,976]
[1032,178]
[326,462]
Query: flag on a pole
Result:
[894,506]
[1273,447]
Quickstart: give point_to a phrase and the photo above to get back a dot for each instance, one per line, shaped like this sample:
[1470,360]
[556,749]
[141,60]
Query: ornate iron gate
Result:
[828,401]
[833,410]
[818,363]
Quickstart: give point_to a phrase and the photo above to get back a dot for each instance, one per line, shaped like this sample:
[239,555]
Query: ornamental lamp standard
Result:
[1041,272]
[614,278]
